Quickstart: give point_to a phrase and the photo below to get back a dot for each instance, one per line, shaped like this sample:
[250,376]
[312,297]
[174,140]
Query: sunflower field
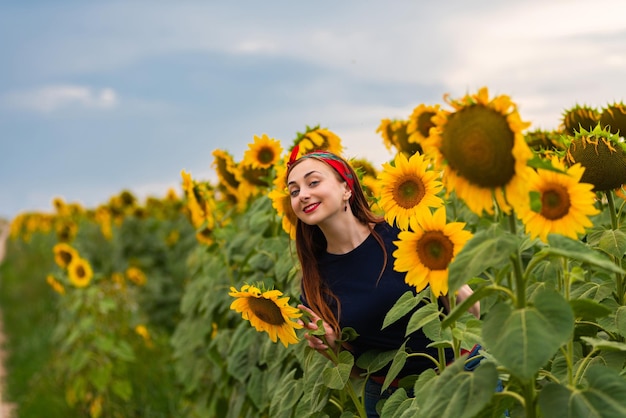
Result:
[185,305]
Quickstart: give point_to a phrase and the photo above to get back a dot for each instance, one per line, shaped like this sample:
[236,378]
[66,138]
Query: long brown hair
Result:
[311,242]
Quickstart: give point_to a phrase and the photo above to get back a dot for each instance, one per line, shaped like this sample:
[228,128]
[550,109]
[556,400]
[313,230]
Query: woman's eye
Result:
[314,183]
[294,193]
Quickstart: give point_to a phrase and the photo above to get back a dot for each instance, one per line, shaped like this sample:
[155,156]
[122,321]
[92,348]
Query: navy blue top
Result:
[365,300]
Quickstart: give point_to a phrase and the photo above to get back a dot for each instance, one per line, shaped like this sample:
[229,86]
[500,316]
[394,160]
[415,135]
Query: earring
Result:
[345,208]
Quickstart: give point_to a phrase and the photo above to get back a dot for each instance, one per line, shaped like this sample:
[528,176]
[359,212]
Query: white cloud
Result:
[54,97]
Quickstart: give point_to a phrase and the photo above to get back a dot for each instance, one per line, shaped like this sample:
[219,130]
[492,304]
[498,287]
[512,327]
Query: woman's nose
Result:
[303,194]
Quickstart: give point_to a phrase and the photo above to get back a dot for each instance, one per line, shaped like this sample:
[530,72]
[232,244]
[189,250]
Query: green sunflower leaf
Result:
[600,344]
[373,360]
[461,394]
[337,376]
[396,366]
[613,242]
[421,317]
[524,340]
[588,309]
[605,397]
[488,249]
[398,404]
[405,304]
[566,247]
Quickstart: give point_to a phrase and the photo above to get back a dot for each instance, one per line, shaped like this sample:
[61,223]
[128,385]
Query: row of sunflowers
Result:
[145,295]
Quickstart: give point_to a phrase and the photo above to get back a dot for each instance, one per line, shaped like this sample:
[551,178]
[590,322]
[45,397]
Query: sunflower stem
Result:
[529,396]
[348,386]
[611,202]
[516,259]
[619,278]
[569,353]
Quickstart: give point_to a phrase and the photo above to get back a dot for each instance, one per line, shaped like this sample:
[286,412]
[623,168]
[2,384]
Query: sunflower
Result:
[252,180]
[80,272]
[544,142]
[420,123]
[135,275]
[386,131]
[558,202]
[66,230]
[578,117]
[226,170]
[613,118]
[205,235]
[200,203]
[143,332]
[481,150]
[55,284]
[603,156]
[64,254]
[103,218]
[196,214]
[281,201]
[394,133]
[409,189]
[426,251]
[264,152]
[268,312]
[317,138]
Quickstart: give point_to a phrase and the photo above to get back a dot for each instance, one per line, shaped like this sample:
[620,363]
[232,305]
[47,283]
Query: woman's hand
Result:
[314,341]
[463,293]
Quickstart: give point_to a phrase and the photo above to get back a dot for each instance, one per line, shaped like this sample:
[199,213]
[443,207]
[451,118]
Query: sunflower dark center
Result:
[435,250]
[555,203]
[80,272]
[409,192]
[206,232]
[66,257]
[266,155]
[255,176]
[401,140]
[424,123]
[478,144]
[225,174]
[266,310]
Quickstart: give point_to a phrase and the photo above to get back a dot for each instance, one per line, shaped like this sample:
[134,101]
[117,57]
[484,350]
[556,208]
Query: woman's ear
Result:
[347,192]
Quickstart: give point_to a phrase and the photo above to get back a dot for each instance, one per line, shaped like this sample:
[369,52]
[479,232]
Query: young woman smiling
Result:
[346,255]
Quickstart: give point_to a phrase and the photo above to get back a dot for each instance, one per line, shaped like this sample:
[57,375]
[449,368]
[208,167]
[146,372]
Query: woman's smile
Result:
[310,208]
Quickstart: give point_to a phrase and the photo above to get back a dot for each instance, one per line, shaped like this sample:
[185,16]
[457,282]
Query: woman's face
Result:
[316,192]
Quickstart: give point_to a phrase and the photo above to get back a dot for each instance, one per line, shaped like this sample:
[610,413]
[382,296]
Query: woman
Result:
[345,251]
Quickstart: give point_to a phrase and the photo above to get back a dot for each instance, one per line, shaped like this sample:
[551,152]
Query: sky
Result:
[100,97]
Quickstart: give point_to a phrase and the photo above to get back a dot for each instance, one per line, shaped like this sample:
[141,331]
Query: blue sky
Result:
[97,97]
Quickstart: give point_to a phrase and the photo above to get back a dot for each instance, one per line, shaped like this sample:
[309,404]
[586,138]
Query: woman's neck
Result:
[346,237]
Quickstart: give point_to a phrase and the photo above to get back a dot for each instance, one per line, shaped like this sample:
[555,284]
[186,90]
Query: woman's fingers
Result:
[315,342]
[313,317]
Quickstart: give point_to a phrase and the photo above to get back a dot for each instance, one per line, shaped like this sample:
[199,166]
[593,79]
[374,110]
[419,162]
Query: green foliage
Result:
[218,353]
[84,357]
[29,316]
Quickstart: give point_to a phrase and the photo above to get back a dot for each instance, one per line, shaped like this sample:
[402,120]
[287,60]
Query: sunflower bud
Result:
[602,155]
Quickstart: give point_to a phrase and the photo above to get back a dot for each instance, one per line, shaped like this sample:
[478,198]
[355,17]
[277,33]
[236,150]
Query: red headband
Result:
[329,158]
